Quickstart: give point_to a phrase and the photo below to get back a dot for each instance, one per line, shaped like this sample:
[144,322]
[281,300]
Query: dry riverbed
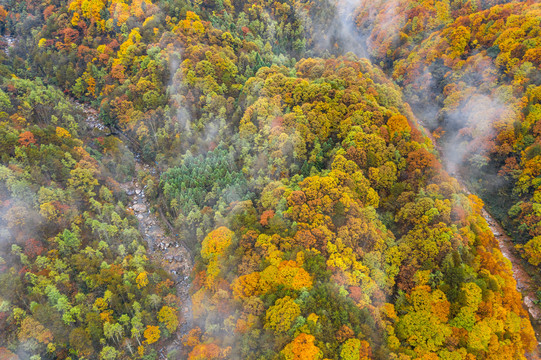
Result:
[163,248]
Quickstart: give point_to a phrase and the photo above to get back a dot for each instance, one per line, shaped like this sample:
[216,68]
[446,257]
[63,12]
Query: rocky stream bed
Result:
[163,247]
[524,282]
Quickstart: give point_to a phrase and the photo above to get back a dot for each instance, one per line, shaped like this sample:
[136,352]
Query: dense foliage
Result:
[75,277]
[321,259]
[323,223]
[474,70]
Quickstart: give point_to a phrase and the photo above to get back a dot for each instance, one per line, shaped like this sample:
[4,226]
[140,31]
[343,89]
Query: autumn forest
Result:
[274,180]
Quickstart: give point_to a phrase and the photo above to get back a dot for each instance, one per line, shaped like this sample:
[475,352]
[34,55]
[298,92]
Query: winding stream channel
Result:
[524,282]
[163,248]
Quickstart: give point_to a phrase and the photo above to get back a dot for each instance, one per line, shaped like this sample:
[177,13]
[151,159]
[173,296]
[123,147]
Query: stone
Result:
[140,208]
[532,308]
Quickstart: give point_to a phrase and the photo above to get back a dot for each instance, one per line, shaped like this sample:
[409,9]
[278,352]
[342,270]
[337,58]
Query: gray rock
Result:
[140,208]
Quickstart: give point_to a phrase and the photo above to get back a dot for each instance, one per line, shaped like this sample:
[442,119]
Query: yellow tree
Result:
[89,9]
[212,249]
[152,334]
[142,280]
[168,316]
[281,315]
[398,124]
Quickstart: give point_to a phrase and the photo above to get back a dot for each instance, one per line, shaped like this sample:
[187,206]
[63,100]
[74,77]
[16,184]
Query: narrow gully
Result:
[163,248]
[524,282]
